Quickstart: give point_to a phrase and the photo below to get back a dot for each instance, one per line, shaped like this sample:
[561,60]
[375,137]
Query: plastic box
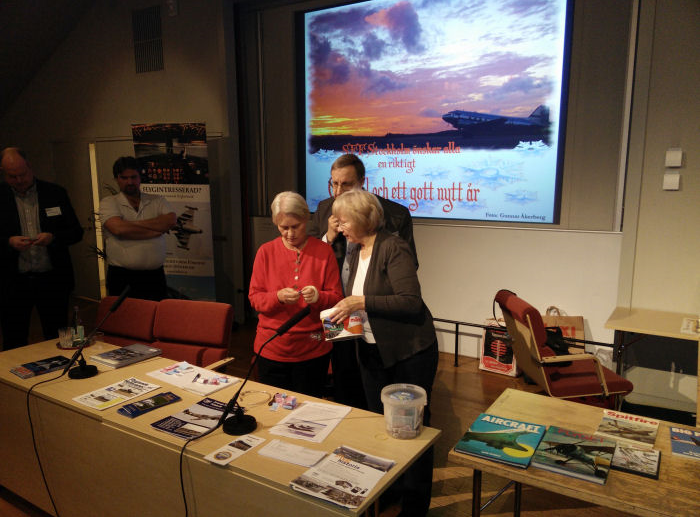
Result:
[403,410]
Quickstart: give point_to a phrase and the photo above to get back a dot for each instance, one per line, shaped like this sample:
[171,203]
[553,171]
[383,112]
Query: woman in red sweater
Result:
[290,272]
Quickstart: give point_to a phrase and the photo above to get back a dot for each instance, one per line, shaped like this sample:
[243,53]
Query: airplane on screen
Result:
[473,122]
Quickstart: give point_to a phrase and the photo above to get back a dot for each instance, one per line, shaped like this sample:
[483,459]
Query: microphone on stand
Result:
[239,423]
[84,370]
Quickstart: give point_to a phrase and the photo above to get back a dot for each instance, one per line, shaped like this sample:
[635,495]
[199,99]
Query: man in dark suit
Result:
[348,173]
[37,224]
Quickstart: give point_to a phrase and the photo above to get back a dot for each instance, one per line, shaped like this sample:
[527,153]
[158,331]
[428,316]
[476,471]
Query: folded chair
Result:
[131,323]
[194,331]
[583,380]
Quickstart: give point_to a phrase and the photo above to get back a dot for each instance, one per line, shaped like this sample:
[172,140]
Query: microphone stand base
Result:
[238,424]
[83,372]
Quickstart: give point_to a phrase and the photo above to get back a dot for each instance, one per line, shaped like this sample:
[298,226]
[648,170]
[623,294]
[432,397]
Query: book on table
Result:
[634,430]
[685,442]
[50,364]
[505,440]
[643,462]
[580,455]
[126,355]
[193,421]
[116,393]
[345,477]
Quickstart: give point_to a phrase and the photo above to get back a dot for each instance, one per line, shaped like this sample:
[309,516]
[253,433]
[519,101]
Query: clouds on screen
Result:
[425,58]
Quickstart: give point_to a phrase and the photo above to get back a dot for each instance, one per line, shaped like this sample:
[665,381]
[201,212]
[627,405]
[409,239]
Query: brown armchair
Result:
[583,380]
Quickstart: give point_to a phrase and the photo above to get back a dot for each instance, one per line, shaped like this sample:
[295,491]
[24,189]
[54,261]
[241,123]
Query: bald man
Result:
[37,224]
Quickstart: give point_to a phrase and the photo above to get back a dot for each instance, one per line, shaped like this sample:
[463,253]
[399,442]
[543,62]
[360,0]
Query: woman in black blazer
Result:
[400,345]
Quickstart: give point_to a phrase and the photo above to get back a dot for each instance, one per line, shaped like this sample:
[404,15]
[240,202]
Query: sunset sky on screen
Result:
[397,67]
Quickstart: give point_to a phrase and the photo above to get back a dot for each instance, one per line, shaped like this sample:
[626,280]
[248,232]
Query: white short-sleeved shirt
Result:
[128,253]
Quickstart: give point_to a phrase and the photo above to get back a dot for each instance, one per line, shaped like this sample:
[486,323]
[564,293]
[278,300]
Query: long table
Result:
[103,463]
[626,320]
[676,492]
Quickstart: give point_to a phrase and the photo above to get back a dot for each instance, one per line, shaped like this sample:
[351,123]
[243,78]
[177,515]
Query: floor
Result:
[460,393]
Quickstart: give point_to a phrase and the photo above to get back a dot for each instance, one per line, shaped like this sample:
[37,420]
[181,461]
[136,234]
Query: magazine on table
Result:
[345,477]
[311,421]
[116,393]
[505,440]
[637,431]
[580,455]
[193,421]
[685,443]
[126,355]
[194,379]
[50,364]
[643,462]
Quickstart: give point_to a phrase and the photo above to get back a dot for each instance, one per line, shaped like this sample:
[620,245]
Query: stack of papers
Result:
[194,379]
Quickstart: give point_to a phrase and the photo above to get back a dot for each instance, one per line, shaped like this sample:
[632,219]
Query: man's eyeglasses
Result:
[334,185]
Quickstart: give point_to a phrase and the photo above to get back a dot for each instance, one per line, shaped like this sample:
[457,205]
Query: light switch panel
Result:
[672,181]
[674,157]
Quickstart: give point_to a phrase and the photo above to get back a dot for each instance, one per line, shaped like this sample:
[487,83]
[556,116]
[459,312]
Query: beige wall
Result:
[665,266]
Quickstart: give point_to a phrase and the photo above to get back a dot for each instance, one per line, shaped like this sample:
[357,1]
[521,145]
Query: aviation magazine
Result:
[501,439]
[634,430]
[580,455]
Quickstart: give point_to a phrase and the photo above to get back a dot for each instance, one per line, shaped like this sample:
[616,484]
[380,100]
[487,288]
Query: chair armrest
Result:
[221,363]
[580,357]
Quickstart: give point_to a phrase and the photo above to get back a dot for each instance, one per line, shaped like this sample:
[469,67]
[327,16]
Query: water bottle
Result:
[78,329]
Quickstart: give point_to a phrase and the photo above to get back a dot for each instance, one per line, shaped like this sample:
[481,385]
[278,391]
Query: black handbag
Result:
[558,344]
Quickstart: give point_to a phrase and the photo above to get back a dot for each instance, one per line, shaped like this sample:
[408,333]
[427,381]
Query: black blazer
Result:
[401,322]
[397,220]
[65,228]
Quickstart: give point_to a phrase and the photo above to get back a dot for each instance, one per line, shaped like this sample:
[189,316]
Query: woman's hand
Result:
[288,296]
[310,294]
[346,306]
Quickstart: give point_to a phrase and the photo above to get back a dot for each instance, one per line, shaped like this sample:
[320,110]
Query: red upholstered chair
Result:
[193,331]
[131,323]
[584,380]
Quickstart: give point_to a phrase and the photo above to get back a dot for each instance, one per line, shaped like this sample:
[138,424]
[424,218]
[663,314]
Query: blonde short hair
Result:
[362,208]
[289,203]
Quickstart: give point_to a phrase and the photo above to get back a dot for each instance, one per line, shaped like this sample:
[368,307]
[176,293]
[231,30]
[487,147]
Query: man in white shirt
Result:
[134,224]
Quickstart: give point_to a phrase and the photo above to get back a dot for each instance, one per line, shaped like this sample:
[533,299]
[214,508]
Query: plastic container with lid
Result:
[403,410]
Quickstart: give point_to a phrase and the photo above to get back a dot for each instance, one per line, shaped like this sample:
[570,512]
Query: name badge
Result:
[53,211]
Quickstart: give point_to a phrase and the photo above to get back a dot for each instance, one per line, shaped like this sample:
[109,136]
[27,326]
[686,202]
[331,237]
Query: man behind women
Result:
[347,174]
[134,225]
[37,225]
[399,344]
[289,273]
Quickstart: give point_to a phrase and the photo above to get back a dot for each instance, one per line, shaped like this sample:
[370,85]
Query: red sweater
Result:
[274,269]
